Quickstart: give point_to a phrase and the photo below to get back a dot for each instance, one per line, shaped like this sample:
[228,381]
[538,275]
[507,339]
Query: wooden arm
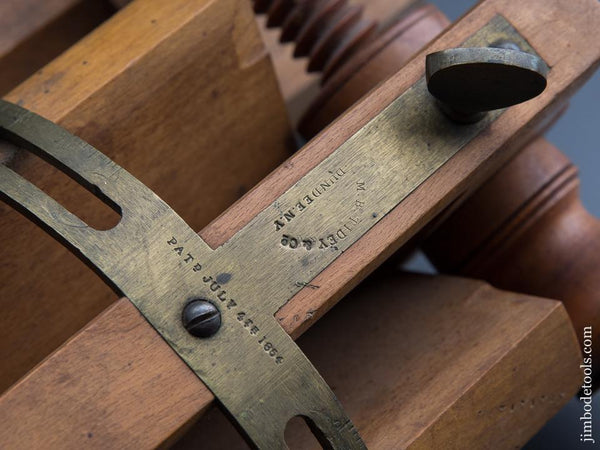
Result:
[525,229]
[145,89]
[432,371]
[84,398]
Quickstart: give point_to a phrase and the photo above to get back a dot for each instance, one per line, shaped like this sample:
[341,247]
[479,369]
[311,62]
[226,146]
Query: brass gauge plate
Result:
[154,258]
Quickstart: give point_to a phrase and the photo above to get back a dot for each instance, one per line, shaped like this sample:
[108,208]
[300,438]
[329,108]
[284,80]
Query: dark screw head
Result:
[201,318]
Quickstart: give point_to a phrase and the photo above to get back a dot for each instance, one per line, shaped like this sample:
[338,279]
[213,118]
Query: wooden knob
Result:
[525,229]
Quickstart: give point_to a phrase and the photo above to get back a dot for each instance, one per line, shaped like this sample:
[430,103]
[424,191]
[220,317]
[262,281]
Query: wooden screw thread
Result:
[327,31]
[525,229]
[372,63]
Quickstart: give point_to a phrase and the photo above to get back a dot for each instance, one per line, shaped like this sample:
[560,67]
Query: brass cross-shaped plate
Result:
[155,259]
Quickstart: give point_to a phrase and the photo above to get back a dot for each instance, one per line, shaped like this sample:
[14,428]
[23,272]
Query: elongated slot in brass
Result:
[251,364]
[96,211]
[299,427]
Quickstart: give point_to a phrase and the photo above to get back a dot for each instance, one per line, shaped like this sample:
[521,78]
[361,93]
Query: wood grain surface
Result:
[417,361]
[298,87]
[177,93]
[433,362]
[370,66]
[526,229]
[542,23]
[34,32]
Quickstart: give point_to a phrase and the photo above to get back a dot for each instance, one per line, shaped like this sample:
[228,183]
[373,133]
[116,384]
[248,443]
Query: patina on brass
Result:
[154,258]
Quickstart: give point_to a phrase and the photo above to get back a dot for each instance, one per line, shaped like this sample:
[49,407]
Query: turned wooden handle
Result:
[526,230]
[115,359]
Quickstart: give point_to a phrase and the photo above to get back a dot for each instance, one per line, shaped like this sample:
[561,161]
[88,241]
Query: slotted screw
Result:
[201,318]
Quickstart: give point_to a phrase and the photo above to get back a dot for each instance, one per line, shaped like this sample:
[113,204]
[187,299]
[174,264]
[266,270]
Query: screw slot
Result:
[201,318]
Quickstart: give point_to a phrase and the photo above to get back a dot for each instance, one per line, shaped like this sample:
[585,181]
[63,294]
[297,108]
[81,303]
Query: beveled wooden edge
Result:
[511,390]
[472,368]
[107,66]
[486,153]
[158,88]
[576,23]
